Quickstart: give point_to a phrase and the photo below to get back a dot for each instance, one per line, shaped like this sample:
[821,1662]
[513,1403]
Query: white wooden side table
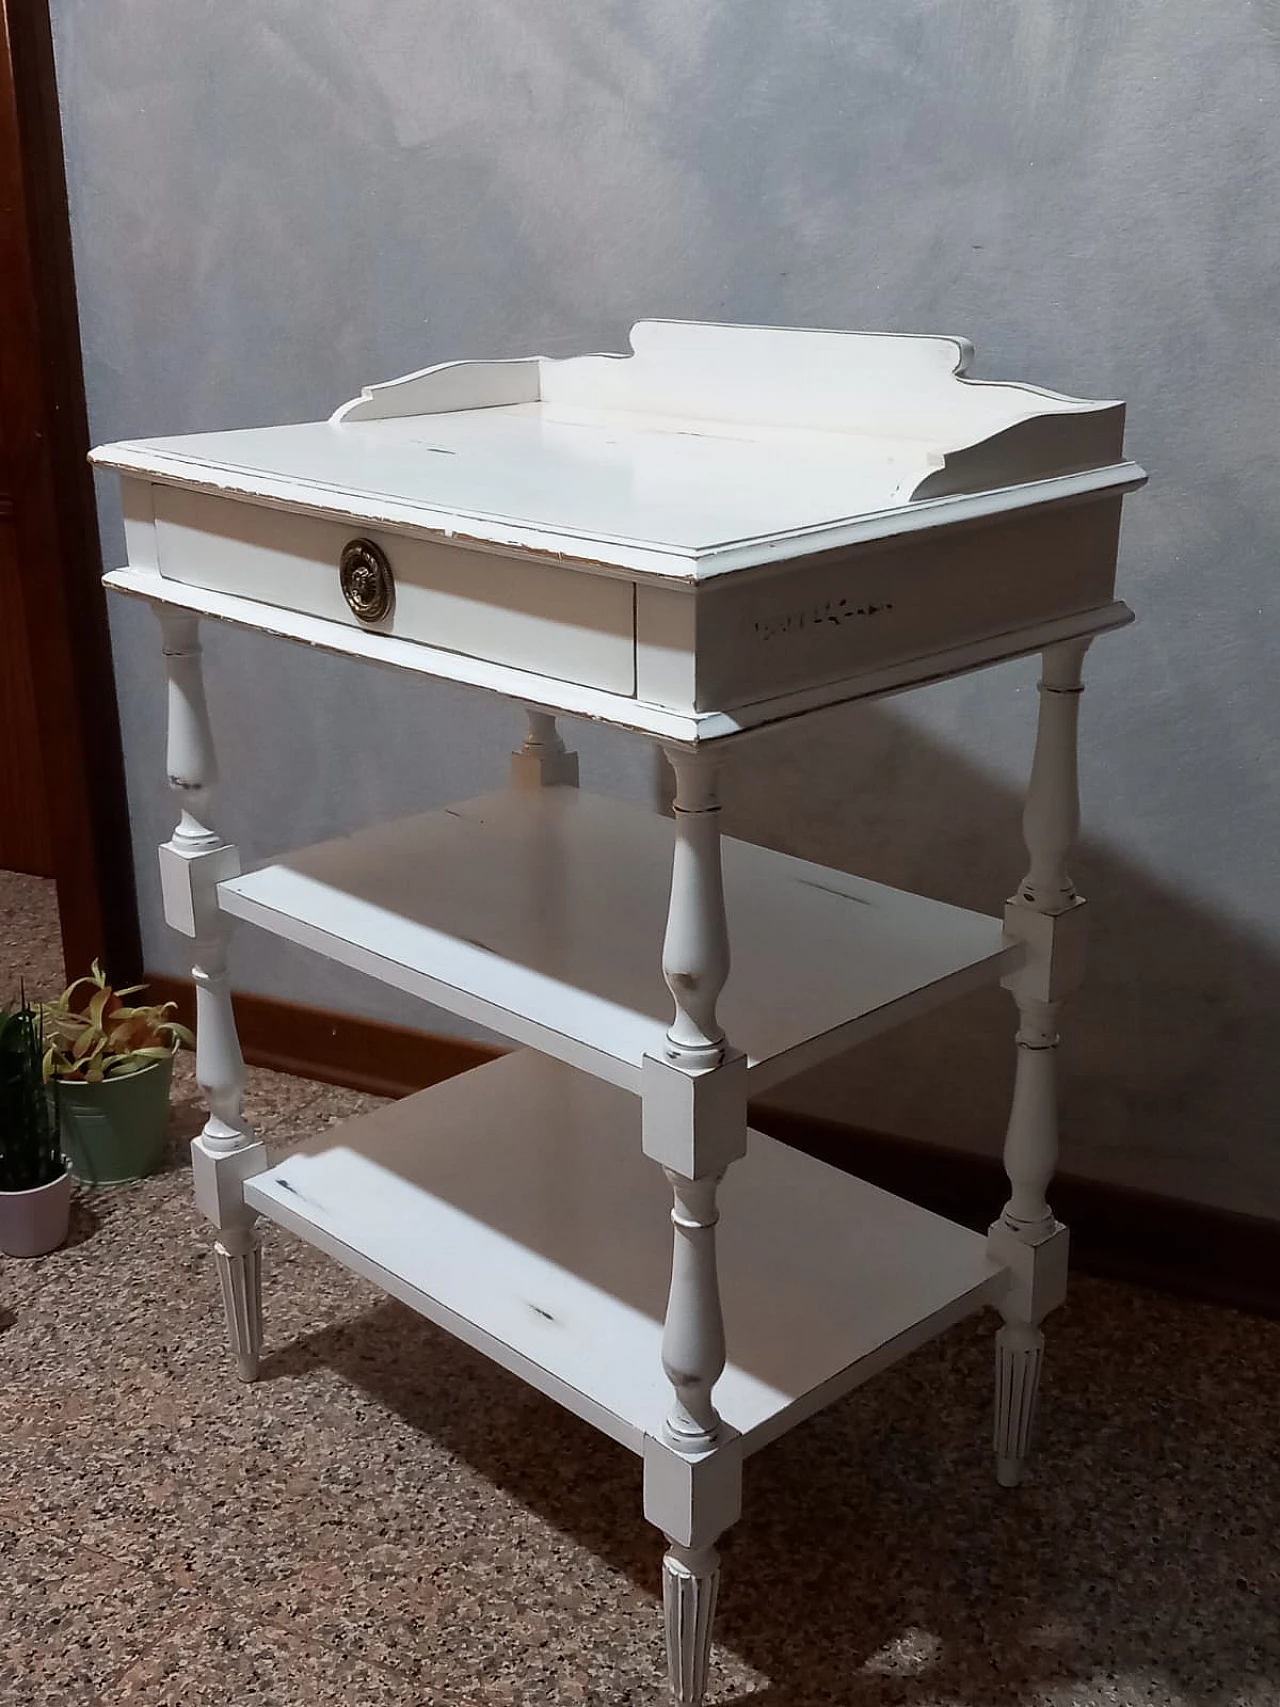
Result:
[729,527]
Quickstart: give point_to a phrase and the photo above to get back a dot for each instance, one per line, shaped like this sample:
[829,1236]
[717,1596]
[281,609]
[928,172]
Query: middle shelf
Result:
[541,914]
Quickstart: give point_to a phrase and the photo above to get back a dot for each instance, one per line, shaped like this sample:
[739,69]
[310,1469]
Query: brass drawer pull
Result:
[368,585]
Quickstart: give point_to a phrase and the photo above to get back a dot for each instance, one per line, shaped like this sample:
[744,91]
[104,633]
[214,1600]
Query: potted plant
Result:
[35,1187]
[110,1065]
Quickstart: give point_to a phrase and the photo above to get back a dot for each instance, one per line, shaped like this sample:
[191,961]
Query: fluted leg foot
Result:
[1019,1354]
[690,1582]
[239,1257]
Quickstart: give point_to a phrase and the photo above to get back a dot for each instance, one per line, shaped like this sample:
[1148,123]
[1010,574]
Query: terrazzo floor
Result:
[384,1520]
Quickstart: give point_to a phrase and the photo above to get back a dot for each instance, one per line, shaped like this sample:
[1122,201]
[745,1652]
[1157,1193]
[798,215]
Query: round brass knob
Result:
[368,585]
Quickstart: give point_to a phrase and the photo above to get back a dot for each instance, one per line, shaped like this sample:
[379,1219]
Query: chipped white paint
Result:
[1048,918]
[447,1199]
[700,526]
[541,914]
[691,728]
[191,865]
[693,457]
[693,1348]
[537,615]
[695,949]
[730,526]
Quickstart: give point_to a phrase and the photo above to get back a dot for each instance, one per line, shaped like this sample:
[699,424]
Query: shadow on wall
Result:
[1170,1072]
[877,1561]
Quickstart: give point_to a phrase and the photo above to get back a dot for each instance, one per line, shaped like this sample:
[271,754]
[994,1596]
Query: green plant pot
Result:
[115,1131]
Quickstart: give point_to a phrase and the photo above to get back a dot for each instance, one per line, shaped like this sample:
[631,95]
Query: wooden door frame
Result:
[63,606]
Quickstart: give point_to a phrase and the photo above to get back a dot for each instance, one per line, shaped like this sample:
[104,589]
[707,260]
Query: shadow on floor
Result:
[87,1216]
[877,1562]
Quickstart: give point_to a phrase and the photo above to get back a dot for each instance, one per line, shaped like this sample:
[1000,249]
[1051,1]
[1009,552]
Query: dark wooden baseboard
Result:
[1199,1252]
[1215,1255]
[315,1043]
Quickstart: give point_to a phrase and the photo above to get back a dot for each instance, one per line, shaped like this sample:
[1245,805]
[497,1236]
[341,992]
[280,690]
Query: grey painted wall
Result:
[274,202]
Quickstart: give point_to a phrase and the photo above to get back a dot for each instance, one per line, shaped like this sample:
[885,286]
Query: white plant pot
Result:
[35,1222]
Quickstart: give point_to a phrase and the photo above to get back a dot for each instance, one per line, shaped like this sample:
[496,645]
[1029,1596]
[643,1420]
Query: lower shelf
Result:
[513,1206]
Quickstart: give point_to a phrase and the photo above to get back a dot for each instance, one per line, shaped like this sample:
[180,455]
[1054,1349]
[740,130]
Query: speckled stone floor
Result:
[384,1520]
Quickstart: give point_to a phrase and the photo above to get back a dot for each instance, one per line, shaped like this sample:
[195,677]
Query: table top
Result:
[710,448]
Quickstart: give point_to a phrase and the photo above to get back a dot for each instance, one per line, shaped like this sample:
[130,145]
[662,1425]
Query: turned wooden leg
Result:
[694,1124]
[225,1154]
[693,1472]
[192,864]
[695,950]
[1048,917]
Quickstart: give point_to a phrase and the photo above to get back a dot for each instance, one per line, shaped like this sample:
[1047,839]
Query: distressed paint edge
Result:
[598,705]
[609,555]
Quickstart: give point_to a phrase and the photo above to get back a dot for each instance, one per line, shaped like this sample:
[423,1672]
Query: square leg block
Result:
[1056,950]
[693,1500]
[219,1178]
[1037,1272]
[694,1123]
[544,768]
[189,880]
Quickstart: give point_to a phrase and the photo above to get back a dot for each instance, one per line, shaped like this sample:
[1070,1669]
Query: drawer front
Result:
[558,622]
[825,620]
